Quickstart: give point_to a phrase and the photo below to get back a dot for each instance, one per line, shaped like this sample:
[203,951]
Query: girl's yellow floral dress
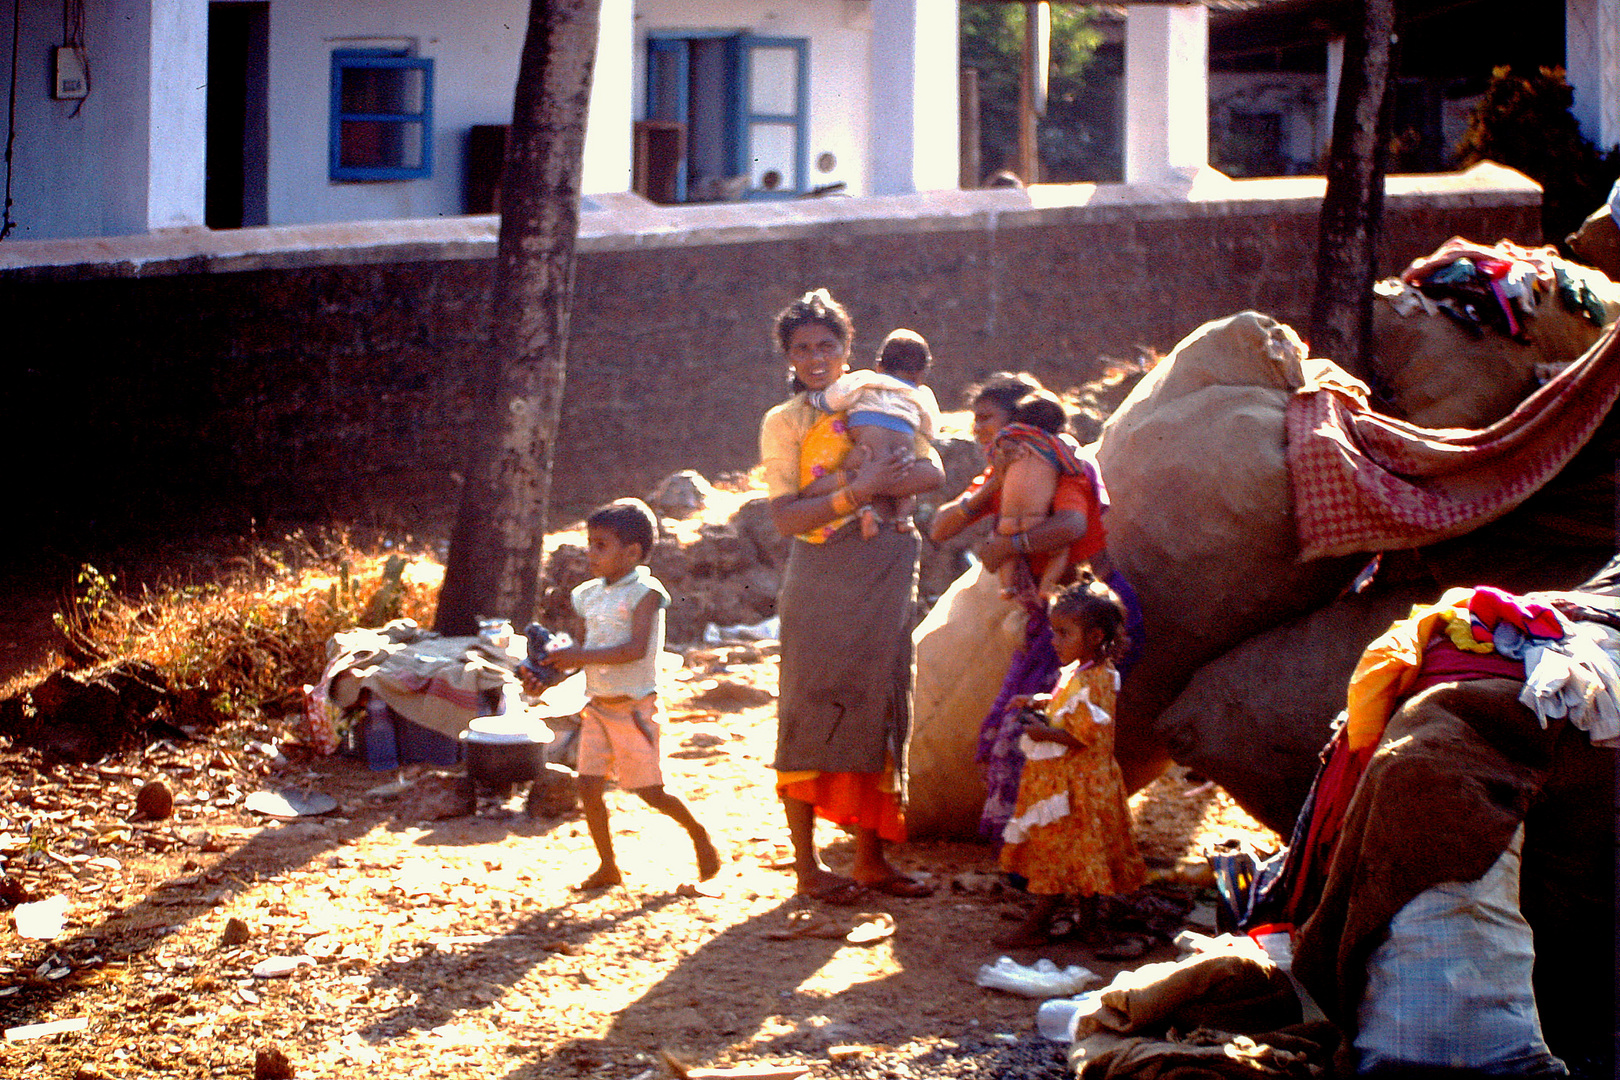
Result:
[1070,833]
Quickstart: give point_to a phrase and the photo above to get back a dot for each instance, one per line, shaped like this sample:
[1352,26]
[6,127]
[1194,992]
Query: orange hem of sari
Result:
[850,800]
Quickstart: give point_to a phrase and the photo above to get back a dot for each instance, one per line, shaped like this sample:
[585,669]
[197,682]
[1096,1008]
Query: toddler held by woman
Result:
[888,407]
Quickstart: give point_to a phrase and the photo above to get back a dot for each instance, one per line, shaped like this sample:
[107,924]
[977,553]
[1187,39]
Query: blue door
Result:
[744,101]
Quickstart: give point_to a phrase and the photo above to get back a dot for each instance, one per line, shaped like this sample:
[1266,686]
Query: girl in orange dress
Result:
[1070,833]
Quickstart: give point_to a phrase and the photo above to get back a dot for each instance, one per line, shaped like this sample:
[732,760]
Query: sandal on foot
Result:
[840,893]
[900,885]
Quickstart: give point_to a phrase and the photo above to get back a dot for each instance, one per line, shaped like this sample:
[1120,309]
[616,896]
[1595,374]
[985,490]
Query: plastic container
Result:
[382,749]
[1059,1018]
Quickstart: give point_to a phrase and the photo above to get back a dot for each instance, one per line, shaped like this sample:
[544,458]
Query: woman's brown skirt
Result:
[844,703]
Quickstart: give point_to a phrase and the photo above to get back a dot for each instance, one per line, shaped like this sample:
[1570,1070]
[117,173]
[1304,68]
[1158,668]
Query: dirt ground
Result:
[459,946]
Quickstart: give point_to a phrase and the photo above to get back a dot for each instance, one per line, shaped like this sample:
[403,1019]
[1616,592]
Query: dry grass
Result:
[251,638]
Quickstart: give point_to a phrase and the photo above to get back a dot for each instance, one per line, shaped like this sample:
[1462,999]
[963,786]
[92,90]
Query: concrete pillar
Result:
[1166,91]
[914,122]
[177,130]
[1592,61]
[609,127]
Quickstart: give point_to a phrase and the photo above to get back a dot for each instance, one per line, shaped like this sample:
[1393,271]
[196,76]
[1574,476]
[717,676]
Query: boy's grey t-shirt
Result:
[607,610]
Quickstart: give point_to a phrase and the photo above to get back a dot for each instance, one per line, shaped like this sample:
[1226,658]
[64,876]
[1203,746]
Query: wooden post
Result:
[971,173]
[1029,155]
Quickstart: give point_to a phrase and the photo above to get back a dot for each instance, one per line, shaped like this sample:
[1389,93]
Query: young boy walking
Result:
[623,607]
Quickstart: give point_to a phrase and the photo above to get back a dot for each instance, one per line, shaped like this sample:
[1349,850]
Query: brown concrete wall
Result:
[325,386]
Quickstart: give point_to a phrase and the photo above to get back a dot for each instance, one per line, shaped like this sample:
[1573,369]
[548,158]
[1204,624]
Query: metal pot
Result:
[505,749]
[500,764]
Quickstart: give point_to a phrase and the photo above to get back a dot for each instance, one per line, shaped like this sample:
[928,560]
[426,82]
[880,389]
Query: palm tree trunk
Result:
[497,547]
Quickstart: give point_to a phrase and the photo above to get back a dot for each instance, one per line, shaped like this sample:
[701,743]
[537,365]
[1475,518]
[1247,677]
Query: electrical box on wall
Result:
[71,80]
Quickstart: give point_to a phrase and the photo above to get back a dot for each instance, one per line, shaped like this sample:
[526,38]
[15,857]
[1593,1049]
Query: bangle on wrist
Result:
[843,503]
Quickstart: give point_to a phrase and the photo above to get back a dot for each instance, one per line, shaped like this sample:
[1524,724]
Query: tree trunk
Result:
[498,543]
[1353,206]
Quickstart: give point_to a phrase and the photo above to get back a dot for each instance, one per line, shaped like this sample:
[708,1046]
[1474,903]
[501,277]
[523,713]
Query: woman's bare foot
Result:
[830,888]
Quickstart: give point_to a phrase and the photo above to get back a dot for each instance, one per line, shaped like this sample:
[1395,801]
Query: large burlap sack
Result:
[962,648]
[1201,519]
[1437,374]
[1597,242]
[1256,717]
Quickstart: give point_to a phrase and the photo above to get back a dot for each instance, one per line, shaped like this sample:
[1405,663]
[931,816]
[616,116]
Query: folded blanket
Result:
[1366,482]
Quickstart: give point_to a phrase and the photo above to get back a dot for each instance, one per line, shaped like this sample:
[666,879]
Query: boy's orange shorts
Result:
[618,739]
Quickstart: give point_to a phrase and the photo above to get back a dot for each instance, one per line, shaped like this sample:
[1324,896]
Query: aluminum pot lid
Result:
[507,728]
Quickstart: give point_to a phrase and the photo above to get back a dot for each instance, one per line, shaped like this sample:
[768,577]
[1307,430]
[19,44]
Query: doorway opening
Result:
[238,114]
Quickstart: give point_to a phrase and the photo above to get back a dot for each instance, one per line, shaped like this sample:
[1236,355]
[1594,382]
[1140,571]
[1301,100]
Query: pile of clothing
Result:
[1494,287]
[1462,822]
[435,683]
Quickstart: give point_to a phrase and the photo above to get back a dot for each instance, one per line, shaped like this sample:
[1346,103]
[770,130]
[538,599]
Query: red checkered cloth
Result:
[1367,482]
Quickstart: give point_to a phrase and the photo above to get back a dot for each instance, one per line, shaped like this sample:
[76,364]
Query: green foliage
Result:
[1524,122]
[1082,109]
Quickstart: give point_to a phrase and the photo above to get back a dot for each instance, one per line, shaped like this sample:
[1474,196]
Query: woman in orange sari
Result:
[846,603]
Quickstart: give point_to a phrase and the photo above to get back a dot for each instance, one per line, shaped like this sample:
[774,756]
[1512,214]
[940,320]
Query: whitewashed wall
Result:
[86,168]
[474,49]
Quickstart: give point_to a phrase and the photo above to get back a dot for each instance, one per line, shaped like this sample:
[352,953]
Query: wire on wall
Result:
[73,38]
[6,221]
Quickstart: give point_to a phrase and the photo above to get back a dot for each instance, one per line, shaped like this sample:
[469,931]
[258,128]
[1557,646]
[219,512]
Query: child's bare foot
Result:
[605,878]
[708,859]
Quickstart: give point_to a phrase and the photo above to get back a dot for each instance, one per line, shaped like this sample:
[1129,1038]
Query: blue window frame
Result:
[382,116]
[774,115]
[745,104]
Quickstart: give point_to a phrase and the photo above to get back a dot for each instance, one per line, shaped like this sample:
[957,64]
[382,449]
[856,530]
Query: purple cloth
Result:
[1033,670]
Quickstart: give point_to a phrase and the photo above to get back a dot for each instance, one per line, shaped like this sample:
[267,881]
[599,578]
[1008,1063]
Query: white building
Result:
[160,114]
[134,116]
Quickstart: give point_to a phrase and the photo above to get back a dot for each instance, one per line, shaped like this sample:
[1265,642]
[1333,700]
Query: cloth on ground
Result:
[440,683]
[1302,1051]
[1232,985]
[348,650]
[1129,1027]
[1366,482]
